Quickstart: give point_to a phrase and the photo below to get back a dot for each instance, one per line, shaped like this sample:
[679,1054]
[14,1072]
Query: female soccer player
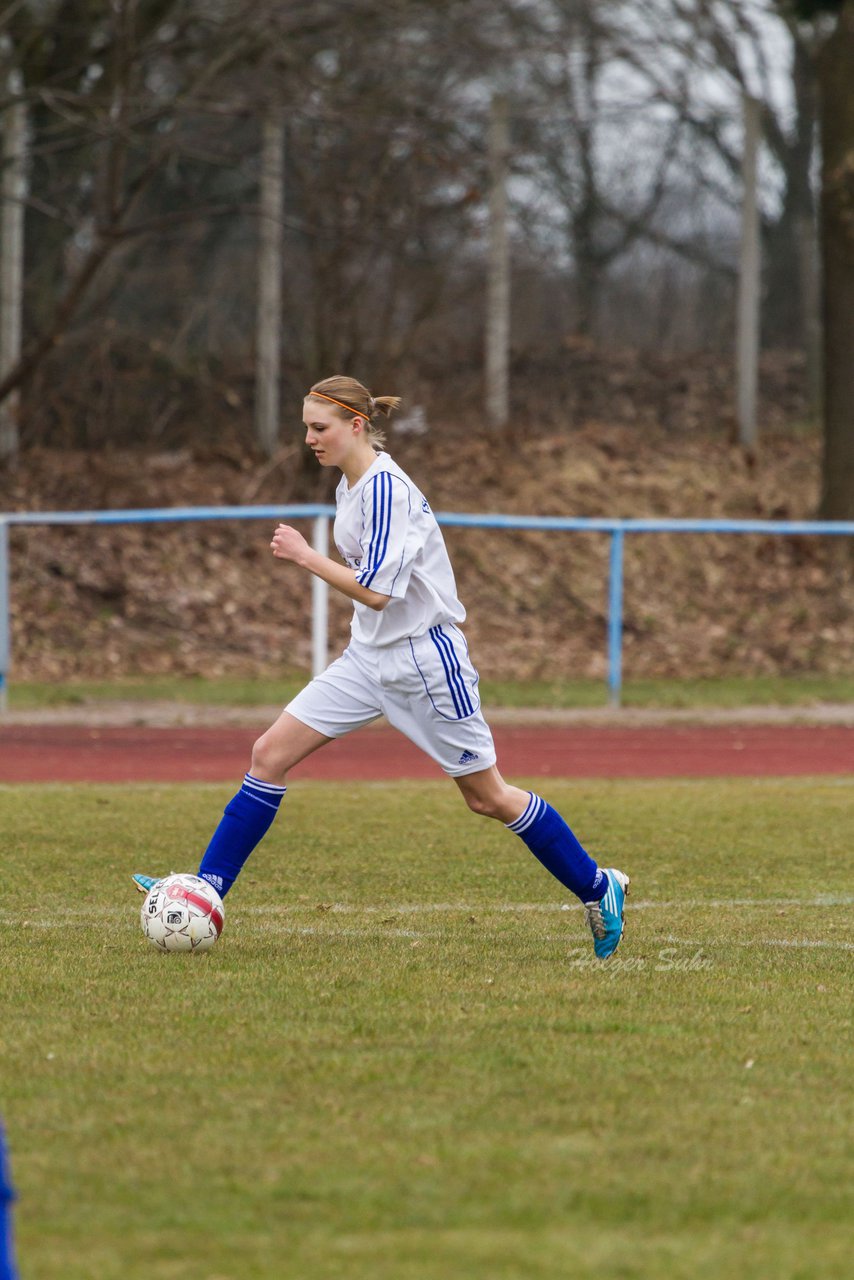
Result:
[407,660]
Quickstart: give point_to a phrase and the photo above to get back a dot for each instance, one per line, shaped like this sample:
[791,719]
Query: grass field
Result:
[401,1063]
[802,690]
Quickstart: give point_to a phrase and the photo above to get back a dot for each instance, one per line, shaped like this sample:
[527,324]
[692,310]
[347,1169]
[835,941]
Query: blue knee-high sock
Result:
[549,838]
[247,819]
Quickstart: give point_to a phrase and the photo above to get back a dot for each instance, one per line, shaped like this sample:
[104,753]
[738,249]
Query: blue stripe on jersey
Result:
[385,522]
[455,666]
[366,566]
[384,547]
[380,528]
[375,514]
[453,675]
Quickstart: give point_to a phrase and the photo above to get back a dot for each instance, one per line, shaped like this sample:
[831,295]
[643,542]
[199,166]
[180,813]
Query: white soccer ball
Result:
[182,913]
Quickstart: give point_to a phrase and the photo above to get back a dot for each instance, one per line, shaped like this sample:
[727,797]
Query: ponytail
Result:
[385,405]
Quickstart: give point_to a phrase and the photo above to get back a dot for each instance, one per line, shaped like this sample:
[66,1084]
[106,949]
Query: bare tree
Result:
[110,133]
[382,174]
[566,54]
[701,58]
[836,58]
[123,98]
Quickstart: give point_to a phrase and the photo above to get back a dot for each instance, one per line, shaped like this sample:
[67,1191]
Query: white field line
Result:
[382,932]
[798,943]
[418,935]
[700,945]
[65,915]
[82,917]
[426,908]
[544,908]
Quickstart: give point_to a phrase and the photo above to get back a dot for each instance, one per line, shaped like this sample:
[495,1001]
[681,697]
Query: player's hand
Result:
[288,544]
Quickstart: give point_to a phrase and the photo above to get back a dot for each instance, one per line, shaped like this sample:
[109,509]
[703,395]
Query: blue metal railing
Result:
[321,515]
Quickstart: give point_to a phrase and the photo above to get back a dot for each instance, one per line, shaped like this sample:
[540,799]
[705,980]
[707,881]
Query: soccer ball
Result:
[182,913]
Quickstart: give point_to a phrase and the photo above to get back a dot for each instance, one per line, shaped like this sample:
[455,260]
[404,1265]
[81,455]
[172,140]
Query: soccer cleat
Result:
[146,883]
[606,917]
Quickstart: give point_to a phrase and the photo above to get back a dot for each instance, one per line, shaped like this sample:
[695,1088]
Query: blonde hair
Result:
[348,394]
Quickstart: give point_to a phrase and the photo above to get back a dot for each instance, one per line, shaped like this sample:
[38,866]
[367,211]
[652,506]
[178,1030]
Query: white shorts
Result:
[426,688]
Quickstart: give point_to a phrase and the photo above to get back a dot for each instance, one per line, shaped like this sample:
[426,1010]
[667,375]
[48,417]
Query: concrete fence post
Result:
[320,602]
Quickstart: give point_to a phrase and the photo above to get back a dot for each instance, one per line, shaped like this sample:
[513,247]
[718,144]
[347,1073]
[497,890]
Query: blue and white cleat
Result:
[606,916]
[146,883]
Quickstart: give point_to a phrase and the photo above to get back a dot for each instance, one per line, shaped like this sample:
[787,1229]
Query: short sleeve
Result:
[389,539]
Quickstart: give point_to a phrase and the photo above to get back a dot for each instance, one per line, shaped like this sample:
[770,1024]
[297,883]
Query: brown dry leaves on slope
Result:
[208,598]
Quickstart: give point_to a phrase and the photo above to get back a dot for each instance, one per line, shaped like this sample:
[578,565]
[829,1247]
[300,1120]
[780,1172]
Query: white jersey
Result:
[386,532]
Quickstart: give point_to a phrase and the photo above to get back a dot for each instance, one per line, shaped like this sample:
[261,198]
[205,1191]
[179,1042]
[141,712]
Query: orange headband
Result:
[357,413]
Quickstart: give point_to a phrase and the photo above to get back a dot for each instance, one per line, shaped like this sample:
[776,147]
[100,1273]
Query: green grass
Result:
[193,690]
[231,691]
[400,1061]
[724,691]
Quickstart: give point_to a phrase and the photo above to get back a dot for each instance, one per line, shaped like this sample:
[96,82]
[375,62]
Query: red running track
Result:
[82,754]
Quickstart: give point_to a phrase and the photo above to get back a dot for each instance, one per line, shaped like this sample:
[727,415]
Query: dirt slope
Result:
[208,598]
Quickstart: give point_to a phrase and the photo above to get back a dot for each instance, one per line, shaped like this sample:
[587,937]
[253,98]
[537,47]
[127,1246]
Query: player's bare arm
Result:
[289,544]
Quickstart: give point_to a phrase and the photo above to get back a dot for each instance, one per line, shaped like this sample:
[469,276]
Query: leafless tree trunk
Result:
[837,227]
[12,194]
[747,354]
[269,324]
[790,304]
[498,290]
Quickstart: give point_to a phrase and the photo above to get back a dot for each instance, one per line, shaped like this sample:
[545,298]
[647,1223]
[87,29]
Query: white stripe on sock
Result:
[514,825]
[529,817]
[270,787]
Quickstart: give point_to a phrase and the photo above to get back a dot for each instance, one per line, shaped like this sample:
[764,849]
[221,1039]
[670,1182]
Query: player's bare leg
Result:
[543,830]
[285,744]
[486,793]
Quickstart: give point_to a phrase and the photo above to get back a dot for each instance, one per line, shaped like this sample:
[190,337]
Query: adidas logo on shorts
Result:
[467,757]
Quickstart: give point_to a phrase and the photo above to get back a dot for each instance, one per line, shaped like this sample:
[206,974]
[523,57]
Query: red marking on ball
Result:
[180,893]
